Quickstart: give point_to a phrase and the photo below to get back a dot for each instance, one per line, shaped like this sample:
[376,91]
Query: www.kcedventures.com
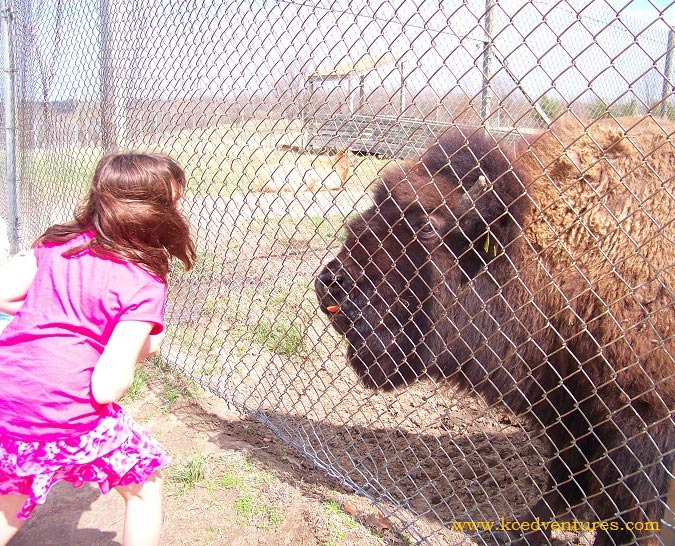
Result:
[541,525]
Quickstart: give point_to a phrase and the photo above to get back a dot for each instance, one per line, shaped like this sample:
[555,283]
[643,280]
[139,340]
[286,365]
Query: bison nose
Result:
[333,284]
[331,280]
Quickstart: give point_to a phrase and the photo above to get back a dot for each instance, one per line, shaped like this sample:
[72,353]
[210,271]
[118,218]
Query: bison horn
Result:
[478,189]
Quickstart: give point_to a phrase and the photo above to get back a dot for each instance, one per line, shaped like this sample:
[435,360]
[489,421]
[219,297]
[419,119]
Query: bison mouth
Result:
[344,315]
[381,336]
[381,361]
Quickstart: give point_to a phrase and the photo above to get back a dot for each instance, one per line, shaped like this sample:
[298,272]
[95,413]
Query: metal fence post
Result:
[108,132]
[10,126]
[113,104]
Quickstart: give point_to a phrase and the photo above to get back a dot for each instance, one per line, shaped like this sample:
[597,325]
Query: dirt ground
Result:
[231,482]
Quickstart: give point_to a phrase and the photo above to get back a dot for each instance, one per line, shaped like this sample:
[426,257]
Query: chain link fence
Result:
[524,345]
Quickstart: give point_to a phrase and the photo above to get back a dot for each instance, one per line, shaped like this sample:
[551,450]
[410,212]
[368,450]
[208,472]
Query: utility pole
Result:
[485,106]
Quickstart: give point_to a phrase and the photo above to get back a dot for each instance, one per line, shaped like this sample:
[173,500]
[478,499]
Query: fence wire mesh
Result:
[520,321]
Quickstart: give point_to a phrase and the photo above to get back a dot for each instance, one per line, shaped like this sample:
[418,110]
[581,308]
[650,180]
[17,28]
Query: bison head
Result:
[399,289]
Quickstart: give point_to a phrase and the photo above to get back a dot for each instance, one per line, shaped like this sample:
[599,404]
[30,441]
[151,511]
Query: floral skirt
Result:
[117,452]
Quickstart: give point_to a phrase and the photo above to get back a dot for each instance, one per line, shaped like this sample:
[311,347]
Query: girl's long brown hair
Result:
[132,210]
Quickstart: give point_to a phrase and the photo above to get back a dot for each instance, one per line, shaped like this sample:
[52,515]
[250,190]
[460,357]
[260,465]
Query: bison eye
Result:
[425,229]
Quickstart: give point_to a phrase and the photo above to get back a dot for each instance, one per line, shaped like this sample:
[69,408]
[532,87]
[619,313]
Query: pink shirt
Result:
[48,352]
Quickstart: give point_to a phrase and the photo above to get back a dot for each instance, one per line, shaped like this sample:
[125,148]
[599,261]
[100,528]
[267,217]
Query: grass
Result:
[338,523]
[218,161]
[230,481]
[256,498]
[251,510]
[254,503]
[188,473]
[255,308]
[255,324]
[281,338]
[171,385]
[138,385]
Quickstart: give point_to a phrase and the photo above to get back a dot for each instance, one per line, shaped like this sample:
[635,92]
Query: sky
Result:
[190,49]
[647,9]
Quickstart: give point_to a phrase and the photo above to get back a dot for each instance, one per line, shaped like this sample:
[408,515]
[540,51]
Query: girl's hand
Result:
[10,307]
[15,278]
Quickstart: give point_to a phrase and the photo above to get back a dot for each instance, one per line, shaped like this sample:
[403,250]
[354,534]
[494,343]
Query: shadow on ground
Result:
[59,522]
[422,482]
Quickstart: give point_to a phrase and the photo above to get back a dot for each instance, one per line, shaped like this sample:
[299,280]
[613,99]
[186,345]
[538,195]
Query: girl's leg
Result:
[143,514]
[9,524]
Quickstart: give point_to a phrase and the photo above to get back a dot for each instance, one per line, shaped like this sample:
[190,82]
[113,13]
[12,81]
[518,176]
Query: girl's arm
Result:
[130,342]
[16,277]
[151,345]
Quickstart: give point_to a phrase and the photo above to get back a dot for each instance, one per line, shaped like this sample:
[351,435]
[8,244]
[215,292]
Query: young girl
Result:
[89,301]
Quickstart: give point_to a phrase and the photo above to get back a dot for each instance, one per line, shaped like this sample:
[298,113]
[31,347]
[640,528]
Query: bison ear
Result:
[474,242]
[490,213]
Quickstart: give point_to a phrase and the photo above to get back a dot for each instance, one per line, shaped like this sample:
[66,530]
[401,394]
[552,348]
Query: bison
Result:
[541,275]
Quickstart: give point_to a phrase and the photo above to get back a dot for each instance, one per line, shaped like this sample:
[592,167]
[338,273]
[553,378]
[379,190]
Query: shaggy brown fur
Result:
[545,281]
